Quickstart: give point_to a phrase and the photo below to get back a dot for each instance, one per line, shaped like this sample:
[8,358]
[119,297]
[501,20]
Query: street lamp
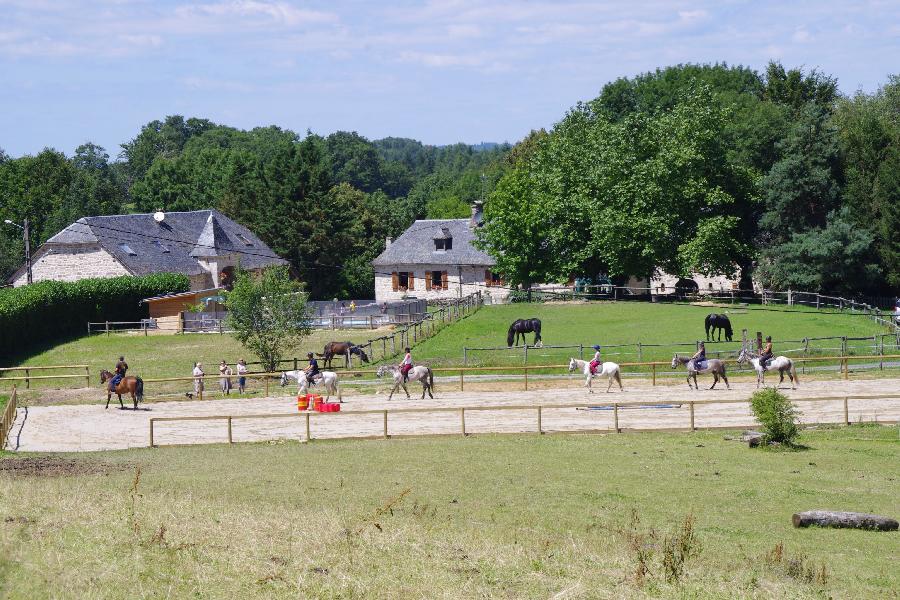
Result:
[24,228]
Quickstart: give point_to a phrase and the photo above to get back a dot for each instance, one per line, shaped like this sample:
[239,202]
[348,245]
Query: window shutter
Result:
[412,280]
[444,280]
[395,281]
[487,278]
[427,280]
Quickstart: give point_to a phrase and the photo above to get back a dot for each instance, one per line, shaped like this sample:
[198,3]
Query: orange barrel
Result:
[302,403]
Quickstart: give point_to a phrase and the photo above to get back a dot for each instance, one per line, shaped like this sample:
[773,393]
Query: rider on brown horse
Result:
[120,370]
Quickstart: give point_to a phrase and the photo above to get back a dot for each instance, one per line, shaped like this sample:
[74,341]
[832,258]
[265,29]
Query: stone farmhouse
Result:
[205,245]
[435,259]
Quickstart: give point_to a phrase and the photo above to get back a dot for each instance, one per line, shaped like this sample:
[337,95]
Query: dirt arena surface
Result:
[90,427]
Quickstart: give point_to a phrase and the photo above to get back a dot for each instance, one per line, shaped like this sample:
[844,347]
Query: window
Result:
[127,249]
[402,281]
[436,280]
[492,279]
[443,244]
[244,239]
[161,246]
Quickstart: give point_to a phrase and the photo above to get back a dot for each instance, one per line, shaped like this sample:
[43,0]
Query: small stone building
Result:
[435,259]
[205,245]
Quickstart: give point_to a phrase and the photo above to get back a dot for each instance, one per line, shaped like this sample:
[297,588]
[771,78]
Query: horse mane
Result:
[728,330]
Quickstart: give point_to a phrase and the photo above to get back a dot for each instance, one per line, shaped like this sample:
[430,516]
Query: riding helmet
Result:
[596,346]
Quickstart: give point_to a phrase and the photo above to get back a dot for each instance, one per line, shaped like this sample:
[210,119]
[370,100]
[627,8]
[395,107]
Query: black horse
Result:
[521,327]
[720,322]
[344,349]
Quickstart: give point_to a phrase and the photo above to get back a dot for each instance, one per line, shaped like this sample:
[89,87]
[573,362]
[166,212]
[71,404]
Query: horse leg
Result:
[715,380]
[609,387]
[394,389]
[405,389]
[134,399]
[424,387]
[725,377]
[122,406]
[108,396]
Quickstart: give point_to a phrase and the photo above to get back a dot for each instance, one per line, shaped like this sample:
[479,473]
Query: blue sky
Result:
[441,72]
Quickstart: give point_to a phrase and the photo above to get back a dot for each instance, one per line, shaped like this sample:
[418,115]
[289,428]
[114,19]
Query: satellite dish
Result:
[159,216]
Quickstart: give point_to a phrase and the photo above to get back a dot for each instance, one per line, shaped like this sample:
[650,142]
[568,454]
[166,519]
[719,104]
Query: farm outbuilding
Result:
[167,312]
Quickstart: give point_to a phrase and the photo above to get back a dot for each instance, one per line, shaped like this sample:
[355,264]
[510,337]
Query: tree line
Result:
[711,169]
[326,204]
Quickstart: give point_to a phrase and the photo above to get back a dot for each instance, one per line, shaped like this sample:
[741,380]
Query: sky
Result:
[438,71]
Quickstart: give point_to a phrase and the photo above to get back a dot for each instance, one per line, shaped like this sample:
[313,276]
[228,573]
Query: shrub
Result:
[49,310]
[776,414]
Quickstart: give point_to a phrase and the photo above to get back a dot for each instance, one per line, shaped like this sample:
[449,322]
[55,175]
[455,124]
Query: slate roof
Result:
[416,245]
[170,246]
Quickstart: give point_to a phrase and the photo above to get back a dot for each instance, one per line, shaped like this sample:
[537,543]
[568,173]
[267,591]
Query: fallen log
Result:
[846,520]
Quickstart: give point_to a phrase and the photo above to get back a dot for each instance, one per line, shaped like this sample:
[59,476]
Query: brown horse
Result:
[344,349]
[128,385]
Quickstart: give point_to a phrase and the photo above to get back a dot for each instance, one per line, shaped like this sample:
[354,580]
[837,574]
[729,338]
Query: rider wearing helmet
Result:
[596,360]
[766,355]
[313,369]
[699,357]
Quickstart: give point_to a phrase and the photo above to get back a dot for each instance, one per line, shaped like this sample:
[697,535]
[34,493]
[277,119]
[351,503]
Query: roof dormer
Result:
[443,241]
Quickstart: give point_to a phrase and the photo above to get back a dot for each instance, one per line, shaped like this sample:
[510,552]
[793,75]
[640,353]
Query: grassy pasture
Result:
[485,516]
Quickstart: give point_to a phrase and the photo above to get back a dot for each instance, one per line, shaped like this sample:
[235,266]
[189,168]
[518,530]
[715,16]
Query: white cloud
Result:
[251,12]
[801,36]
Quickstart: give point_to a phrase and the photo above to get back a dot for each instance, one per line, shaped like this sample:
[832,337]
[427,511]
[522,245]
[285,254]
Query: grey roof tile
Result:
[416,245]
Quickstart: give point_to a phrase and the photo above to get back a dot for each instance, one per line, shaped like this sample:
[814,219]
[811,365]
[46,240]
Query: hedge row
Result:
[43,312]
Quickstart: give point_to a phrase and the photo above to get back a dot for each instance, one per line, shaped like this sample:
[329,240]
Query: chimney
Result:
[476,214]
[387,242]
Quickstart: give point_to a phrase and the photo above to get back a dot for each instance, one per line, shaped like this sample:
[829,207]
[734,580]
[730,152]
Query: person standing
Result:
[224,382]
[198,380]
[242,375]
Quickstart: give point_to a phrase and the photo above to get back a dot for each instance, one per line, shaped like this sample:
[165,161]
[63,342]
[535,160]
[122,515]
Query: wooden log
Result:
[844,520]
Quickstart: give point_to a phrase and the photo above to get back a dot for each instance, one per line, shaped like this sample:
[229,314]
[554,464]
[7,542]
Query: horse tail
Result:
[139,389]
[617,376]
[794,372]
[430,378]
[509,335]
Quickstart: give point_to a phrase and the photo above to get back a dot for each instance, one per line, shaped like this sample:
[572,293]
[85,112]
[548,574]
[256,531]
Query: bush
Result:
[776,414]
[49,310]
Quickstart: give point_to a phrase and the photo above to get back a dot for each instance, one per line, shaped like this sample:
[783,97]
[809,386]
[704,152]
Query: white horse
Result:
[417,373]
[779,363]
[608,369]
[328,379]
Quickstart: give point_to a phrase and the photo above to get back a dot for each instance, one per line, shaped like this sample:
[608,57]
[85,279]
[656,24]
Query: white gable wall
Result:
[470,278]
[71,263]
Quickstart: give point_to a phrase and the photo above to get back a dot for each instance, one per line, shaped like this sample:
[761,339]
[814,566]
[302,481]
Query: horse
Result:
[779,363]
[713,365]
[417,373]
[521,327]
[128,385]
[720,322]
[344,349]
[609,369]
[328,379]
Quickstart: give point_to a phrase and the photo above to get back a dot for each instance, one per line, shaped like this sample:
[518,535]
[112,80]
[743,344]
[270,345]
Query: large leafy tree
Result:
[269,314]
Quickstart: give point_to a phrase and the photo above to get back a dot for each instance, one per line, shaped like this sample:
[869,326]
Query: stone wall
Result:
[472,278]
[71,263]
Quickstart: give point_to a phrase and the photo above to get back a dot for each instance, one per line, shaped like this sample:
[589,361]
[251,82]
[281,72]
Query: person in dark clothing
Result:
[313,369]
[766,355]
[120,370]
[699,357]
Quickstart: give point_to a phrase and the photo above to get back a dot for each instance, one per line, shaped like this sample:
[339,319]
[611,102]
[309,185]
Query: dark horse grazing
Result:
[128,385]
[521,327]
[720,322]
[344,349]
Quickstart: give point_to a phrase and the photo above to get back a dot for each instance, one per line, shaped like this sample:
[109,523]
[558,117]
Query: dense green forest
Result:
[691,168]
[324,203]
[712,169]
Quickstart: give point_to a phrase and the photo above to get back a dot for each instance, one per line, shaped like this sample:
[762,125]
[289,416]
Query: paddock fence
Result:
[8,417]
[381,425]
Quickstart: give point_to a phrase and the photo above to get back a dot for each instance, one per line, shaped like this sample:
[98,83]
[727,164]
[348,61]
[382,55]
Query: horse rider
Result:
[766,355]
[313,369]
[596,360]
[699,357]
[406,365]
[120,370]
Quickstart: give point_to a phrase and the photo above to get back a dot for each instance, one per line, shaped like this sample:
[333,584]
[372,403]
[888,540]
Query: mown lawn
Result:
[485,516]
[608,323]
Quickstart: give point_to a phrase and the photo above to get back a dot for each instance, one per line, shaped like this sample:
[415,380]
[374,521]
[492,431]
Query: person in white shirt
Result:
[198,378]
[242,375]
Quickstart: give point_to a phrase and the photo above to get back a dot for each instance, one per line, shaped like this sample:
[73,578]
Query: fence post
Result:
[27,379]
[266,379]
[151,432]
[107,329]
[653,366]
[692,415]
[87,376]
[308,436]
[640,353]
[526,379]
[462,421]
[465,356]
[581,351]
[461,384]
[230,441]
[393,351]
[616,417]
[525,354]
[385,425]
[295,363]
[846,412]
[540,428]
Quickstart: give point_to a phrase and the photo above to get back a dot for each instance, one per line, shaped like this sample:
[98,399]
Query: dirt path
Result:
[90,427]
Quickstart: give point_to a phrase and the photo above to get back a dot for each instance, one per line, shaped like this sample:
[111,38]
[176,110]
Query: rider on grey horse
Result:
[312,371]
[699,357]
[766,355]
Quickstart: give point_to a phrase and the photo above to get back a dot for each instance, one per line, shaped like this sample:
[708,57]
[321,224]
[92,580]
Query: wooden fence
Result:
[28,377]
[539,410]
[7,418]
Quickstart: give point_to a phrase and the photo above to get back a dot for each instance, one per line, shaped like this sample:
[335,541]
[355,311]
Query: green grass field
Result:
[521,516]
[608,323]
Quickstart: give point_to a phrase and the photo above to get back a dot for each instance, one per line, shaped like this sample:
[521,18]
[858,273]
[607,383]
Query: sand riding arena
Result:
[558,409]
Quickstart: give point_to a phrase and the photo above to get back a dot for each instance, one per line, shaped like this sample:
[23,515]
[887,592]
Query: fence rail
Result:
[8,417]
[539,413]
